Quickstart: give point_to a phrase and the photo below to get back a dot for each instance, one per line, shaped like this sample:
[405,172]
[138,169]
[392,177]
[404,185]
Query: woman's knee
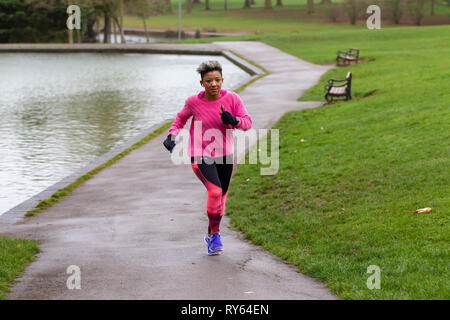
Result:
[214,201]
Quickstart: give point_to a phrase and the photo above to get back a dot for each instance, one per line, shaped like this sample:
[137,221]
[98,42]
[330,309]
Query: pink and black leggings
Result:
[215,174]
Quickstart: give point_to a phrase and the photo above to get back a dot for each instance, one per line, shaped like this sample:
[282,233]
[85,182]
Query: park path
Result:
[136,228]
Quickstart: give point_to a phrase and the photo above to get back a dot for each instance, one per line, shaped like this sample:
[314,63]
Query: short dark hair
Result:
[209,66]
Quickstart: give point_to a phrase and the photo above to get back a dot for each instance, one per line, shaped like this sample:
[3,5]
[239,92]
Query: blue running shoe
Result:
[209,242]
[216,243]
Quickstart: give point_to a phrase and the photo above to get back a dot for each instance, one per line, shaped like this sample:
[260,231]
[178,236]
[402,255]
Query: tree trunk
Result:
[279,3]
[168,6]
[188,6]
[246,4]
[326,1]
[145,28]
[120,22]
[310,6]
[121,32]
[114,25]
[106,28]
[207,5]
[97,27]
[225,7]
[69,31]
[268,4]
[432,7]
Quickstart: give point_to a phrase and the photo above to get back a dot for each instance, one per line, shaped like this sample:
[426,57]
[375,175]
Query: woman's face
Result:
[212,81]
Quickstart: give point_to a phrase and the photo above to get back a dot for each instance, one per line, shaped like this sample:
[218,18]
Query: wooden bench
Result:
[347,57]
[339,92]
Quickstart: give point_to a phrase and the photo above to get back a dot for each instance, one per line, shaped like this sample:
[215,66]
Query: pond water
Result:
[59,111]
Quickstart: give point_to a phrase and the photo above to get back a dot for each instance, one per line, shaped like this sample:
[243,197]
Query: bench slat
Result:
[338,91]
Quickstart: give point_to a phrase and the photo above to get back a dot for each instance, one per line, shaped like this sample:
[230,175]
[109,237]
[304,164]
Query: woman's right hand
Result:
[169,143]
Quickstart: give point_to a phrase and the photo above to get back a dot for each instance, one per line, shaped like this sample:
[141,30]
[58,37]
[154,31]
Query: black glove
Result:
[228,118]
[169,143]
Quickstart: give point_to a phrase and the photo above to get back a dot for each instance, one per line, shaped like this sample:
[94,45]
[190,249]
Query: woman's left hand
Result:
[228,118]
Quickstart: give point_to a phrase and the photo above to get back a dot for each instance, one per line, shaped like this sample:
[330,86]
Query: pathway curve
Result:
[136,228]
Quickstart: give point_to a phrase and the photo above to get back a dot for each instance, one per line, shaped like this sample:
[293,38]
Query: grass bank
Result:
[351,173]
[15,255]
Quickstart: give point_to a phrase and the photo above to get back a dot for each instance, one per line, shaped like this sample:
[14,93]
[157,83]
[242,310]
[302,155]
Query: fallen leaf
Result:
[423,210]
[18,246]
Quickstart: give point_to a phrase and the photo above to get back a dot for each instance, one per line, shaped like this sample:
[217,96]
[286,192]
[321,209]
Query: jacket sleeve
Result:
[180,120]
[245,122]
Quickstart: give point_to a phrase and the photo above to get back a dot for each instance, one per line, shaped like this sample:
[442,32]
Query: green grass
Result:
[343,199]
[15,254]
[292,17]
[234,21]
[215,5]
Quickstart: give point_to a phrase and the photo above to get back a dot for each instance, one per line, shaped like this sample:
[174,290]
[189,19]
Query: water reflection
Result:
[58,112]
[132,38]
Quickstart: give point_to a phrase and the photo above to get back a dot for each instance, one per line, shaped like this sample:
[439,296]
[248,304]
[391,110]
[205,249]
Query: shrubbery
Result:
[32,21]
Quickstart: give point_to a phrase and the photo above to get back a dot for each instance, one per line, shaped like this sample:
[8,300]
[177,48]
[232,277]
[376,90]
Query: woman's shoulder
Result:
[192,99]
[234,96]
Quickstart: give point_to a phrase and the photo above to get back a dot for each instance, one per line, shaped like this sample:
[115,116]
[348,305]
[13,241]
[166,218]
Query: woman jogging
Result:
[216,113]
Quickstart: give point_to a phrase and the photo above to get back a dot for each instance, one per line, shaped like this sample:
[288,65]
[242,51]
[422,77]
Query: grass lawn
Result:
[253,21]
[291,17]
[343,199]
[15,254]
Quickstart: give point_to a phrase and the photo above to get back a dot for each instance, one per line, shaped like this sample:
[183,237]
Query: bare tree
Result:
[353,8]
[416,8]
[332,11]
[114,25]
[189,6]
[120,23]
[394,9]
[310,5]
[69,31]
[143,9]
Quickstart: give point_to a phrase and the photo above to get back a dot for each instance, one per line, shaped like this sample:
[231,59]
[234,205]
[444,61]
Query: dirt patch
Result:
[352,63]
